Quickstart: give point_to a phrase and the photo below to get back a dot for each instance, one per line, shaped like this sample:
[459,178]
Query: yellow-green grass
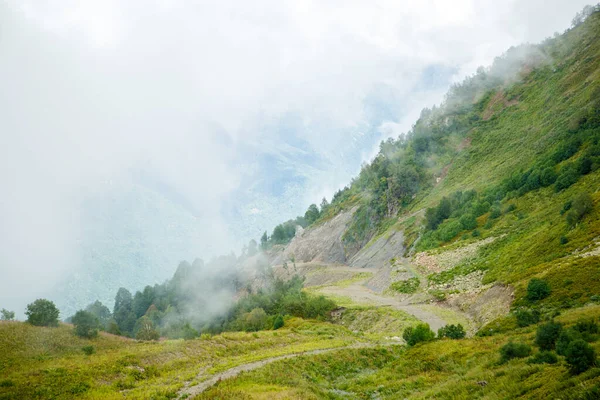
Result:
[42,363]
[449,315]
[443,369]
[377,322]
[357,277]
[342,301]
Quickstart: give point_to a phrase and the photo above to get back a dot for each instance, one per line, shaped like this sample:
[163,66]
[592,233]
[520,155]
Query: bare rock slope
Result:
[379,253]
[322,243]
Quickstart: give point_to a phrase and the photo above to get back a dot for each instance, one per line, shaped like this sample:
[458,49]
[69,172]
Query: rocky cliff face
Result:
[380,252]
[322,243]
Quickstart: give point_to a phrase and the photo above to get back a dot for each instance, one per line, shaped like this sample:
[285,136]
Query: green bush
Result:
[417,334]
[566,151]
[564,340]
[495,212]
[566,207]
[448,230]
[584,165]
[537,289]
[580,356]
[514,350]
[468,222]
[580,206]
[547,334]
[586,326]
[452,332]
[86,324]
[88,350]
[564,240]
[548,177]
[278,323]
[568,176]
[476,233]
[408,286]
[526,317]
[256,319]
[42,312]
[544,357]
[144,329]
[437,294]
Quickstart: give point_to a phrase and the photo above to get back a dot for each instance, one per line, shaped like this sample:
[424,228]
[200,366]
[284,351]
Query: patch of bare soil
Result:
[362,295]
[316,274]
[432,262]
[484,305]
[496,104]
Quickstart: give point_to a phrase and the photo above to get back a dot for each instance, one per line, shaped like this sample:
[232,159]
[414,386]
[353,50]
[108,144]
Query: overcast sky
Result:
[210,121]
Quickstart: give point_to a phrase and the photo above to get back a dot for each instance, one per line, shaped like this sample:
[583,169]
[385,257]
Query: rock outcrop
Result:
[321,243]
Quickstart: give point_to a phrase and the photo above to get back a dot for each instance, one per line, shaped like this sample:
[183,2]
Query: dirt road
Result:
[360,294]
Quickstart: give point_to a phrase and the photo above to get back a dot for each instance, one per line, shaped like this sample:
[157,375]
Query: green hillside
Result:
[509,155]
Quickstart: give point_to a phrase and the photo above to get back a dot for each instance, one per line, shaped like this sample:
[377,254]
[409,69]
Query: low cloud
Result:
[201,104]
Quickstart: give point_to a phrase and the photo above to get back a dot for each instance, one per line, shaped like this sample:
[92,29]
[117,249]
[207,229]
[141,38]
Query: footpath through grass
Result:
[49,363]
[443,369]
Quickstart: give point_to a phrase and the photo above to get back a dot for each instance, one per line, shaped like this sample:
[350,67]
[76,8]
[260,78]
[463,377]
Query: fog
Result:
[135,134]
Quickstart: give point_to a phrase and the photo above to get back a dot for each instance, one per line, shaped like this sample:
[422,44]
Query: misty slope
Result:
[496,187]
[509,149]
[122,246]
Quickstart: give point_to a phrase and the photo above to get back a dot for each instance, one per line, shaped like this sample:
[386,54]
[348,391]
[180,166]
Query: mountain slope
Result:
[508,150]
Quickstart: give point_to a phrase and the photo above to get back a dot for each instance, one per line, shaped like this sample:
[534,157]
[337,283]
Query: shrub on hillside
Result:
[585,164]
[586,326]
[544,357]
[449,229]
[537,289]
[526,317]
[495,212]
[468,222]
[580,206]
[42,312]
[547,334]
[278,323]
[566,337]
[417,334]
[566,151]
[564,240]
[514,350]
[256,320]
[452,332]
[548,177]
[113,328]
[580,356]
[88,350]
[408,286]
[567,176]
[86,324]
[144,329]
